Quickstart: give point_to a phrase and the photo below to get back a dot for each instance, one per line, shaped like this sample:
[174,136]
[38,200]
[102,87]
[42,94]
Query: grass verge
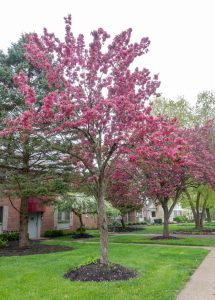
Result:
[163,271]
[187,241]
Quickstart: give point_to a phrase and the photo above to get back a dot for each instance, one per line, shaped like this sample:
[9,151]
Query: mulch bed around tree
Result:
[121,229]
[35,248]
[97,272]
[209,232]
[161,237]
[83,235]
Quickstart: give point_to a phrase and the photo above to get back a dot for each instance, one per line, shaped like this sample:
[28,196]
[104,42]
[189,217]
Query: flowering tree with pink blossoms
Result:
[126,187]
[96,100]
[201,173]
[162,155]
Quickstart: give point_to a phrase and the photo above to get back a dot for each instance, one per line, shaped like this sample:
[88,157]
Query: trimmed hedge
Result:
[10,236]
[81,233]
[3,243]
[53,233]
[180,219]
[158,221]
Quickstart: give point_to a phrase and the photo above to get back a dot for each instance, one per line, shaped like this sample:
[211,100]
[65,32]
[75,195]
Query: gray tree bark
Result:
[23,229]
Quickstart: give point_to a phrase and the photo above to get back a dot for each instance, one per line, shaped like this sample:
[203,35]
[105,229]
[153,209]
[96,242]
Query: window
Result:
[153,214]
[139,214]
[63,217]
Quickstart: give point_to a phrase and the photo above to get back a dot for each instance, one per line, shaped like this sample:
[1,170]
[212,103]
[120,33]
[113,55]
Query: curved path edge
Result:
[202,283]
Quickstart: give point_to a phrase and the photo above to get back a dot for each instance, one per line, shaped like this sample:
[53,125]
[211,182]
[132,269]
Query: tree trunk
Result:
[195,210]
[166,218]
[81,222]
[103,228]
[208,214]
[198,222]
[198,218]
[23,229]
[123,222]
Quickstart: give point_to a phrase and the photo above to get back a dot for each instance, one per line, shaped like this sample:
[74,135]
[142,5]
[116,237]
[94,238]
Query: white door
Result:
[34,225]
[1,219]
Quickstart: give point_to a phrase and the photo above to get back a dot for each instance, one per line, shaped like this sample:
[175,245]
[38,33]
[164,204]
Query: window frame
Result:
[63,217]
[1,214]
[153,214]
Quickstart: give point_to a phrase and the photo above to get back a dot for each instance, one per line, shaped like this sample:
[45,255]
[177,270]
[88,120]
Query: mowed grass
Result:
[186,227]
[163,271]
[187,241]
[153,229]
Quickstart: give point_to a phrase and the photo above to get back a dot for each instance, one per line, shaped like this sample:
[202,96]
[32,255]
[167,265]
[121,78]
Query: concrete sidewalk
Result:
[202,284]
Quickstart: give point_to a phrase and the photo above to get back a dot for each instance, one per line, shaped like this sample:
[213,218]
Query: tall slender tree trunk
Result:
[103,227]
[208,214]
[195,210]
[198,221]
[81,222]
[23,229]
[122,222]
[166,218]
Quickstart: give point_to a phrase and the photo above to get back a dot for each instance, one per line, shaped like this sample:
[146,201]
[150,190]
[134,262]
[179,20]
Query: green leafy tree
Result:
[200,199]
[29,167]
[80,204]
[205,107]
[179,109]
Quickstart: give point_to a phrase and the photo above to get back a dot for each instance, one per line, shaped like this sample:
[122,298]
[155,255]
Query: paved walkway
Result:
[202,283]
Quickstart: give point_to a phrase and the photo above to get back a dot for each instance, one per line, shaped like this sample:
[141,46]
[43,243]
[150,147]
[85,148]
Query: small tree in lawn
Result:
[79,204]
[126,188]
[161,154]
[96,98]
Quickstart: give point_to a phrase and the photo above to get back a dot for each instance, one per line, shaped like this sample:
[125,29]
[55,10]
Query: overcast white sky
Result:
[182,33]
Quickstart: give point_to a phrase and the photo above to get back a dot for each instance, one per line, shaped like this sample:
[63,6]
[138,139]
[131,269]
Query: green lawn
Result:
[187,241]
[188,227]
[163,271]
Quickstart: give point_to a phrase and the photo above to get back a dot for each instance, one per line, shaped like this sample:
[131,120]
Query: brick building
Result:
[41,218]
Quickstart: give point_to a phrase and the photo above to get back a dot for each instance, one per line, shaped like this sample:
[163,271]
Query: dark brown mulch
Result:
[35,248]
[97,272]
[126,229]
[83,235]
[165,237]
[209,232]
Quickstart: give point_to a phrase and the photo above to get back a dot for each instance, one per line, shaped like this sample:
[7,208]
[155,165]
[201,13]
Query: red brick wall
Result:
[13,214]
[47,219]
[90,221]
[132,217]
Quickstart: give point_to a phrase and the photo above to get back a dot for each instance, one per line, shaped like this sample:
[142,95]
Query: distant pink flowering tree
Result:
[126,189]
[201,172]
[95,101]
[162,155]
